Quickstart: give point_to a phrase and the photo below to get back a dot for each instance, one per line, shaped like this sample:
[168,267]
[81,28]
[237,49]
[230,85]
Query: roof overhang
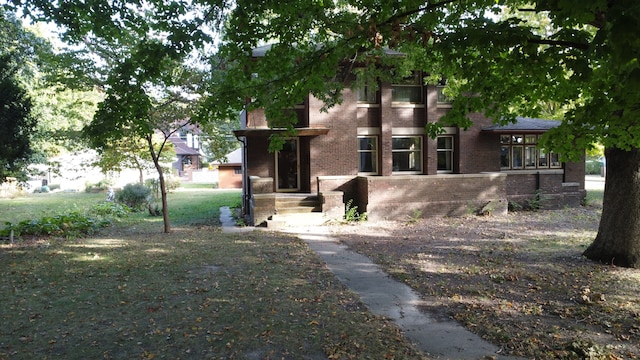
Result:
[261,132]
[522,124]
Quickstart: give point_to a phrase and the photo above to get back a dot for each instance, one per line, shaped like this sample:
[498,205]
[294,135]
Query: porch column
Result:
[386,125]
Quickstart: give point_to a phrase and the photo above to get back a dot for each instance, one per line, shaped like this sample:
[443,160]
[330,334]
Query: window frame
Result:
[409,82]
[448,151]
[442,100]
[369,98]
[373,152]
[419,152]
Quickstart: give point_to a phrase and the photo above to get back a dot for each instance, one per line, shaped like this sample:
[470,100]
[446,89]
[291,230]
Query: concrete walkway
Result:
[389,298]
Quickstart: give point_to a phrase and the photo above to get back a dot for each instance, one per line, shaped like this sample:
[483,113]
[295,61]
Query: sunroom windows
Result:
[521,151]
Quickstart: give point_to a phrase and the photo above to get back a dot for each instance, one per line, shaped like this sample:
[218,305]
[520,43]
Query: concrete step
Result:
[297,200]
[280,220]
[297,203]
[298,209]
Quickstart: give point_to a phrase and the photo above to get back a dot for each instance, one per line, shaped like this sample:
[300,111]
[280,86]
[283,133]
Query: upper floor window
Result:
[408,90]
[407,153]
[521,151]
[367,95]
[368,154]
[442,99]
[445,153]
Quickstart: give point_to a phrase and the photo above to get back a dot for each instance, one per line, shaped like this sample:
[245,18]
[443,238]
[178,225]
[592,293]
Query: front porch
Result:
[273,209]
[400,197]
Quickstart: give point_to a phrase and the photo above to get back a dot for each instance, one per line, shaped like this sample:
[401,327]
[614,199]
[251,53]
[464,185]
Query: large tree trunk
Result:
[618,239]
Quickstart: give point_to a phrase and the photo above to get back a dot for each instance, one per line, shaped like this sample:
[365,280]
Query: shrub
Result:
[68,225]
[107,209]
[135,196]
[100,186]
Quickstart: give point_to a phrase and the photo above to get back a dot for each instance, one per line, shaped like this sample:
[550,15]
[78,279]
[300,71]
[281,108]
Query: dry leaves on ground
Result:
[518,280]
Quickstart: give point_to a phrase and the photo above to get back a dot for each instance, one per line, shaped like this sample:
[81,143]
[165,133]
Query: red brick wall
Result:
[336,152]
[397,197]
[227,178]
[260,162]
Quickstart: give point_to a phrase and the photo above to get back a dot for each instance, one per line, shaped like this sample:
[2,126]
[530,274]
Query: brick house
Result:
[230,171]
[372,151]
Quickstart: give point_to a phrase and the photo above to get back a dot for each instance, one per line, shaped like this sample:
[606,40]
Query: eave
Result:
[264,132]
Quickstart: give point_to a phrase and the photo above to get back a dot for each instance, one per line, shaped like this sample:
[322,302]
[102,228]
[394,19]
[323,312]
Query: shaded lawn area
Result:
[133,292]
[519,281]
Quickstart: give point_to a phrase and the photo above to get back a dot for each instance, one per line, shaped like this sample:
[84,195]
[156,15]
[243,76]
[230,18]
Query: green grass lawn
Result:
[131,291]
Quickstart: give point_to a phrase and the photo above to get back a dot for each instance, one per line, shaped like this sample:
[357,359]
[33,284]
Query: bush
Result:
[100,186]
[107,209]
[68,225]
[135,196]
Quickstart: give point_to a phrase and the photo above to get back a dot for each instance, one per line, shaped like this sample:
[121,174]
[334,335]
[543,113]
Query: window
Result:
[406,152]
[368,154]
[408,90]
[442,98]
[521,152]
[445,153]
[237,170]
[367,95]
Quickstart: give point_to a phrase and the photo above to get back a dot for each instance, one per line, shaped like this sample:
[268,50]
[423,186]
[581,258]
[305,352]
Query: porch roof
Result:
[306,131]
[523,124]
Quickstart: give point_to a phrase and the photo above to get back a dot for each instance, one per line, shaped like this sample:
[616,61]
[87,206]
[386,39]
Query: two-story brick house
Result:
[372,150]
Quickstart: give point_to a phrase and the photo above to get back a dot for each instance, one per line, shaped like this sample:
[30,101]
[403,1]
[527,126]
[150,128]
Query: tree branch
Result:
[581,46]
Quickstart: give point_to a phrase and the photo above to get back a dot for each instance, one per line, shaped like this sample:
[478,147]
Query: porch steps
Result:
[297,203]
[296,210]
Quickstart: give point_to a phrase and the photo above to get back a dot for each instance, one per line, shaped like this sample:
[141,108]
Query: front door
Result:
[287,166]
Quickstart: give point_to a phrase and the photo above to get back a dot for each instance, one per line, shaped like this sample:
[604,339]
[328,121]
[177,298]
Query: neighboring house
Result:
[230,172]
[372,151]
[187,146]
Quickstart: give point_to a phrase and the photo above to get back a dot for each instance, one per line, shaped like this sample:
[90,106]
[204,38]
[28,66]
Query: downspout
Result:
[245,179]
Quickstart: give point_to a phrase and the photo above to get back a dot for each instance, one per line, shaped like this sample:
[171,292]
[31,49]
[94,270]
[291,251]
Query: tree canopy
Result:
[580,54]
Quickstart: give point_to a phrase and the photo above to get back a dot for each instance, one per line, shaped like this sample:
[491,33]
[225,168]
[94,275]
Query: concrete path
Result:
[389,298]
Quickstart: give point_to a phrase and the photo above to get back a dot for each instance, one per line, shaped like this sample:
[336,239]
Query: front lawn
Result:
[197,293]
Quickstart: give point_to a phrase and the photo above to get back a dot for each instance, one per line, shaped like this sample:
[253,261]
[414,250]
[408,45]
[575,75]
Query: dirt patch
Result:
[518,280]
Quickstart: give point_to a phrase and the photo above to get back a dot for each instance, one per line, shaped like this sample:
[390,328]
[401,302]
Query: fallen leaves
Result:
[517,280]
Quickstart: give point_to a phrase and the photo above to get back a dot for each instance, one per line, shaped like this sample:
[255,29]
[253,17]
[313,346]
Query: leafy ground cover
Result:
[519,281]
[133,292]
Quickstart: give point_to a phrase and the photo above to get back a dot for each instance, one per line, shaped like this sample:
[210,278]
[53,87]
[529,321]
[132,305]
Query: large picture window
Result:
[367,154]
[408,90]
[407,154]
[445,153]
[521,151]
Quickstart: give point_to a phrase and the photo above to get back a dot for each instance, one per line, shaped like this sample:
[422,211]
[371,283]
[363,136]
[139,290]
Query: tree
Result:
[132,113]
[137,55]
[587,59]
[16,122]
[133,153]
